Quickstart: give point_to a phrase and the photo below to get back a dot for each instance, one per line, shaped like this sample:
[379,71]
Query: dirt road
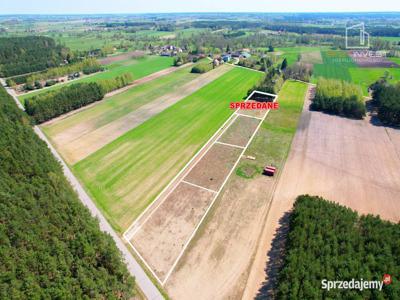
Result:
[145,284]
[348,161]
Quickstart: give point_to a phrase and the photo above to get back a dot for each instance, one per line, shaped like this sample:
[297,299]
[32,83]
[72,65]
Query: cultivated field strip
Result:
[162,233]
[79,141]
[126,175]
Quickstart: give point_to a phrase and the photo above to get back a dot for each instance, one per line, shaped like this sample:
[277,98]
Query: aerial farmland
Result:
[200,155]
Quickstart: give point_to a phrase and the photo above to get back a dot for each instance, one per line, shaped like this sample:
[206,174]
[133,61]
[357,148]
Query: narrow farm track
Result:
[145,284]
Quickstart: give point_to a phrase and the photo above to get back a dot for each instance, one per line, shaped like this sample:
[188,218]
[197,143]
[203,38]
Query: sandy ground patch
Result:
[115,58]
[83,139]
[163,236]
[313,57]
[211,171]
[258,113]
[348,161]
[240,131]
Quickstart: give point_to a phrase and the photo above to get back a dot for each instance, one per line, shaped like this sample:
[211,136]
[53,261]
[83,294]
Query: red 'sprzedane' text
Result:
[254,105]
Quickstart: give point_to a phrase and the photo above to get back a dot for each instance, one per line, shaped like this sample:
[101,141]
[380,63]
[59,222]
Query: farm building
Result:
[226,57]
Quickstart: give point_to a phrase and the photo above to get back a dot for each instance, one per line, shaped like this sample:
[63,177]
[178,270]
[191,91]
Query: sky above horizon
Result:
[164,6]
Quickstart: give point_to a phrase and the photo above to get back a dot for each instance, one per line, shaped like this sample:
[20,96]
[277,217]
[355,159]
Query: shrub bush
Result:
[202,68]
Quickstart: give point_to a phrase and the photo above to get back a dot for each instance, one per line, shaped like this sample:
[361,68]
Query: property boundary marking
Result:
[213,140]
[198,186]
[216,195]
[199,156]
[230,145]
[248,116]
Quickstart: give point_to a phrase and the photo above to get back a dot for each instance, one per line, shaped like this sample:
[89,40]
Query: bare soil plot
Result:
[217,263]
[211,171]
[115,58]
[313,57]
[240,131]
[83,139]
[366,61]
[257,113]
[163,236]
[348,161]
[215,266]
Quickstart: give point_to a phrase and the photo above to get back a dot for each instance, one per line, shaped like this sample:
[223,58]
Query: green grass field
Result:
[272,142]
[119,105]
[336,65]
[125,176]
[139,68]
[366,76]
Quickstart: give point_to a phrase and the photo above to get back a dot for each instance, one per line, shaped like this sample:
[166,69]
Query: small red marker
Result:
[387,279]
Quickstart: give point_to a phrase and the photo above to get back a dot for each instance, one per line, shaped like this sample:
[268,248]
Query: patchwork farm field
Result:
[152,153]
[292,53]
[229,249]
[335,65]
[138,67]
[339,65]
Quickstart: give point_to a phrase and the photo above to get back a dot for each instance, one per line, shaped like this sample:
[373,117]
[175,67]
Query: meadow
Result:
[139,67]
[366,76]
[125,176]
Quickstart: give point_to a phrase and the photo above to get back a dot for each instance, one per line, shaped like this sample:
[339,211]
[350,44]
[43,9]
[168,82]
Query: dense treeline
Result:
[46,106]
[339,97]
[46,78]
[330,241]
[387,98]
[52,104]
[51,247]
[108,85]
[303,29]
[87,66]
[20,55]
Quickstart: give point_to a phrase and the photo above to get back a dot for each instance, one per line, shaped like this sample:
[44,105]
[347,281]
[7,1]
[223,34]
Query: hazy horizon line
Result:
[201,12]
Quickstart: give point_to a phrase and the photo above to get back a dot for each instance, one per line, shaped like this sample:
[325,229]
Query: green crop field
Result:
[119,105]
[292,53]
[366,76]
[125,176]
[139,68]
[272,142]
[336,65]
